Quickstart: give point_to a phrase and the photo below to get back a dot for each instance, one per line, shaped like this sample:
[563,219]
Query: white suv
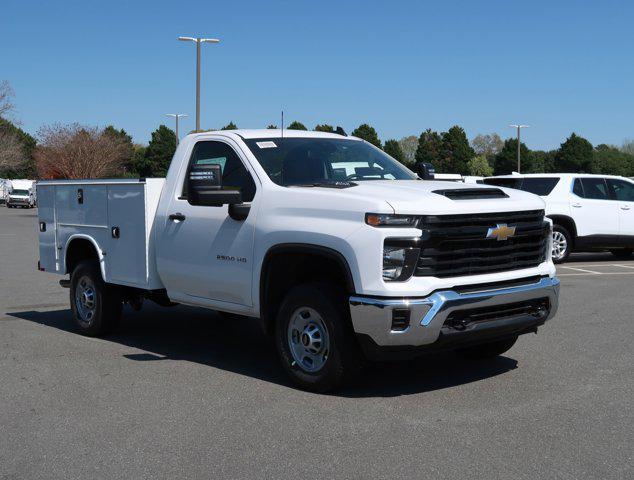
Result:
[589,212]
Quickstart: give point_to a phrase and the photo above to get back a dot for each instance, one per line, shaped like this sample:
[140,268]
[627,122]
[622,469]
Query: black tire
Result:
[342,360]
[568,239]
[487,350]
[622,253]
[106,300]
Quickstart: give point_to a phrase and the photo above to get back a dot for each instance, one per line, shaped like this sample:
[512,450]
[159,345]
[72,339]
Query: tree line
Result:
[79,151]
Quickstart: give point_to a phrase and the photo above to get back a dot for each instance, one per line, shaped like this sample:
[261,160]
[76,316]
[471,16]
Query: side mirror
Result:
[425,171]
[204,187]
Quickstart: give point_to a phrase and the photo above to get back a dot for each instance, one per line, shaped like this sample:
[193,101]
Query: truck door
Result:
[592,208]
[202,253]
[624,195]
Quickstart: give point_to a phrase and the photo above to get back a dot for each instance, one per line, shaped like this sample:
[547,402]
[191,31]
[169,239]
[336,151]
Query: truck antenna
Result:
[282,124]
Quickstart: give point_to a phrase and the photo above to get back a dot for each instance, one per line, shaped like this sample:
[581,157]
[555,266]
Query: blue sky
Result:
[402,66]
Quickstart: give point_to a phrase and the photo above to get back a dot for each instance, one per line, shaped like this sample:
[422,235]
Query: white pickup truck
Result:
[343,254]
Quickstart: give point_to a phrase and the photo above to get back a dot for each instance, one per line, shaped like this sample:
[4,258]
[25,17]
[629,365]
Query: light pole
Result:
[177,116]
[198,42]
[519,127]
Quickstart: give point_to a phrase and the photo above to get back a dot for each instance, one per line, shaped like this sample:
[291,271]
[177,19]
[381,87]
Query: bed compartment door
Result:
[127,259]
[47,229]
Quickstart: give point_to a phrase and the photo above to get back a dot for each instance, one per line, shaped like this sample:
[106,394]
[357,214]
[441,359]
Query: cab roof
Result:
[274,133]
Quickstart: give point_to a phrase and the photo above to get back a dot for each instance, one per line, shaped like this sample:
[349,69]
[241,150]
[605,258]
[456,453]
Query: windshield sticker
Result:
[266,144]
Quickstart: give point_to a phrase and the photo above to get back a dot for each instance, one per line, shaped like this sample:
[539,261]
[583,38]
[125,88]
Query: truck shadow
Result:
[237,345]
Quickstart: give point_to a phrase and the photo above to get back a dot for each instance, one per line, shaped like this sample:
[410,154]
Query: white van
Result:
[22,194]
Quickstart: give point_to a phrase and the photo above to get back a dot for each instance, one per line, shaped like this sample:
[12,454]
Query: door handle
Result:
[624,207]
[577,205]
[177,217]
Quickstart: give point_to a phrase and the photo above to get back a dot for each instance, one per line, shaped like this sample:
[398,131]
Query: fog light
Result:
[400,319]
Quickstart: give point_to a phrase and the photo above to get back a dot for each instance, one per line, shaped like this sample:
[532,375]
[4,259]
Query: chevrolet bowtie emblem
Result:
[501,232]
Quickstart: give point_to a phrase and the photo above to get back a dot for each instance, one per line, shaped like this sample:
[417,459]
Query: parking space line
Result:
[624,266]
[583,270]
[591,275]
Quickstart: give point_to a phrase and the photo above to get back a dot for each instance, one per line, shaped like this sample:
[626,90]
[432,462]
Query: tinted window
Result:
[234,173]
[623,190]
[577,188]
[537,185]
[504,182]
[307,161]
[595,188]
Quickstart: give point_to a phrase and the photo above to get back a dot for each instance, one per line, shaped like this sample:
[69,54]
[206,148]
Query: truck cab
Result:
[341,253]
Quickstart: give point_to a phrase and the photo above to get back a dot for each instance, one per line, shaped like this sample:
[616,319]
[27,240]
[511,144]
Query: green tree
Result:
[393,149]
[25,143]
[456,151]
[429,148]
[610,160]
[540,162]
[367,133]
[325,128]
[506,160]
[271,127]
[479,166]
[574,155]
[230,126]
[124,139]
[296,126]
[159,153]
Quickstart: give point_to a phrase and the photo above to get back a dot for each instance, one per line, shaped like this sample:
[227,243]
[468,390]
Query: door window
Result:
[577,188]
[234,173]
[623,191]
[595,188]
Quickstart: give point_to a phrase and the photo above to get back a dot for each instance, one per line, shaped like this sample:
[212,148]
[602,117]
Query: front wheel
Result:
[562,244]
[487,350]
[622,253]
[95,305]
[314,338]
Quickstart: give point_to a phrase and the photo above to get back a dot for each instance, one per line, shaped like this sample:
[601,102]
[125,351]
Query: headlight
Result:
[399,259]
[389,220]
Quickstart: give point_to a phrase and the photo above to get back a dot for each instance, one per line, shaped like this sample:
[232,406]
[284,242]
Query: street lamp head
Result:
[210,40]
[187,39]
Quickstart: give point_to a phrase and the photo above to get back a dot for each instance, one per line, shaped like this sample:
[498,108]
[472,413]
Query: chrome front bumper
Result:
[373,317]
[18,201]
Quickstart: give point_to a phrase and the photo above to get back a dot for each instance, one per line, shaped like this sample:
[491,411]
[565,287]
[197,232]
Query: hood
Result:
[431,197]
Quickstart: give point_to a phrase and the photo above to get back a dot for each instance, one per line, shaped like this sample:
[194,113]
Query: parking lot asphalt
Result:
[183,393]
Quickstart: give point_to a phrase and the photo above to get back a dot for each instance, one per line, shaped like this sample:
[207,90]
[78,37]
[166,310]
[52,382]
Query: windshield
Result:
[538,185]
[311,161]
[19,192]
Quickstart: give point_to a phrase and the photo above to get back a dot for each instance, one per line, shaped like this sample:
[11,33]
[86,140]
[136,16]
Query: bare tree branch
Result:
[76,151]
[6,94]
[12,154]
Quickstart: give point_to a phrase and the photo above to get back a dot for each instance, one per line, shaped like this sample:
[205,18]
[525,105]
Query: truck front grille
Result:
[457,245]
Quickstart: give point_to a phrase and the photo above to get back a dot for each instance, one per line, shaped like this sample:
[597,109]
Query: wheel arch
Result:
[568,223]
[81,247]
[287,260]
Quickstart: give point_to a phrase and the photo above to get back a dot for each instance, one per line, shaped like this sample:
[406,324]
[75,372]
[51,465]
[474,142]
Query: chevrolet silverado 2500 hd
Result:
[341,252]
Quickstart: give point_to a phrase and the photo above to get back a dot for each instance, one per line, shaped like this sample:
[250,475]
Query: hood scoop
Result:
[471,193]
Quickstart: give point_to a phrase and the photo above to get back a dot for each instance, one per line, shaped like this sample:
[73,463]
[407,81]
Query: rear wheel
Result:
[487,350]
[562,244]
[95,305]
[622,254]
[314,338]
